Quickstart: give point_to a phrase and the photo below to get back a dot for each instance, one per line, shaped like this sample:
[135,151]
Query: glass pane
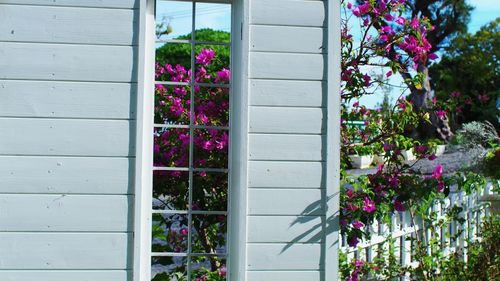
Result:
[211,148]
[209,234]
[170,190]
[171,147]
[212,106]
[213,17]
[170,233]
[172,104]
[173,19]
[173,62]
[210,191]
[168,269]
[212,64]
[208,268]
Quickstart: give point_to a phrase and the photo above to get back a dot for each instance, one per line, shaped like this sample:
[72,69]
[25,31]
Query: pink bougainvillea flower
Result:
[432,56]
[388,74]
[415,23]
[205,57]
[369,205]
[399,206]
[223,76]
[400,21]
[434,100]
[441,114]
[184,231]
[438,172]
[357,224]
[483,98]
[440,186]
[353,241]
[349,5]
[432,157]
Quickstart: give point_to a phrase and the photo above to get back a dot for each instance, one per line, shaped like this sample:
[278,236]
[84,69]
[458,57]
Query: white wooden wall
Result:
[67,111]
[287,135]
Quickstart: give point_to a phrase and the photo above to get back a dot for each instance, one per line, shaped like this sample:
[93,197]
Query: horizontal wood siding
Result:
[21,136]
[287,86]
[67,99]
[67,25]
[65,212]
[66,175]
[34,251]
[65,275]
[64,62]
[67,139]
[124,4]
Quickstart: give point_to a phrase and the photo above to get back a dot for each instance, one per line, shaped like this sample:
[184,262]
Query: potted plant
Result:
[362,158]
[406,145]
[440,147]
[378,154]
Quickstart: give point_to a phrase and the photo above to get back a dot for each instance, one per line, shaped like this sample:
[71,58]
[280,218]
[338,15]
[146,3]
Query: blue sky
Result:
[218,16]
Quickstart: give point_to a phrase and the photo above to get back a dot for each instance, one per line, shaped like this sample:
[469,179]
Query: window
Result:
[189,207]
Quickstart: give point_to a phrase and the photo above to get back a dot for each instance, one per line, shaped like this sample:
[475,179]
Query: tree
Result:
[467,80]
[446,19]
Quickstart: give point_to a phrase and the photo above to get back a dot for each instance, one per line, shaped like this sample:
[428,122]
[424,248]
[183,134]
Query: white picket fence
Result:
[475,210]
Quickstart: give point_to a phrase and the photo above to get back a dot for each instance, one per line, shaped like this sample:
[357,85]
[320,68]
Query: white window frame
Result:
[236,256]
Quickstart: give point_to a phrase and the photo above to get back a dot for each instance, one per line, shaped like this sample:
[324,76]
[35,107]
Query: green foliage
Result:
[174,53]
[471,66]
[476,133]
[483,256]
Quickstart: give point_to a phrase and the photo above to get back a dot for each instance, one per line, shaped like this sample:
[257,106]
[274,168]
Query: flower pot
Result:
[408,155]
[440,149]
[361,162]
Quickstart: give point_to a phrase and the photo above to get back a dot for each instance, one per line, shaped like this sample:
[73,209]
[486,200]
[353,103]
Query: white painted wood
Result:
[289,120]
[238,174]
[284,39]
[64,251]
[285,229]
[266,174]
[285,202]
[332,153]
[64,275]
[26,136]
[144,142]
[67,99]
[287,93]
[285,147]
[22,212]
[78,3]
[284,275]
[66,175]
[284,257]
[288,12]
[67,62]
[24,23]
[287,66]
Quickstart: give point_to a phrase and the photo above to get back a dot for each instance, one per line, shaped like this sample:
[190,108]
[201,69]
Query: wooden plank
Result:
[32,251]
[290,120]
[285,202]
[284,257]
[24,23]
[284,39]
[284,275]
[287,93]
[33,61]
[288,12]
[287,66]
[66,175]
[55,137]
[285,229]
[65,275]
[285,147]
[33,212]
[126,4]
[266,174]
[67,99]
